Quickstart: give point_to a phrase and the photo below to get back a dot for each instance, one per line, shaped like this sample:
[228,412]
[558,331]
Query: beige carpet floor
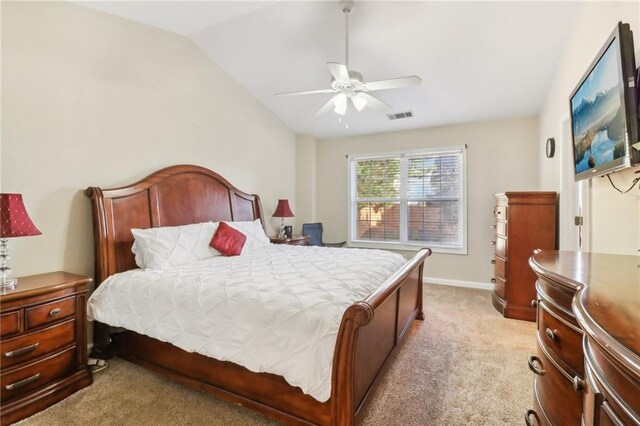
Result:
[464,365]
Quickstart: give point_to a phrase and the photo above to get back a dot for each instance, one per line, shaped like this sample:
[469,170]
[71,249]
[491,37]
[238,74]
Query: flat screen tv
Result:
[604,110]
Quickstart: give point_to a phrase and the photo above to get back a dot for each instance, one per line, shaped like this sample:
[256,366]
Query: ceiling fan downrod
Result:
[346,6]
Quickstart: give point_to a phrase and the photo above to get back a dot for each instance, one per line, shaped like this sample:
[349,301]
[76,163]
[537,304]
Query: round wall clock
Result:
[551,147]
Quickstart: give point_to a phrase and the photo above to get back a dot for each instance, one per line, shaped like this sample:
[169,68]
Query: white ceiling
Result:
[478,60]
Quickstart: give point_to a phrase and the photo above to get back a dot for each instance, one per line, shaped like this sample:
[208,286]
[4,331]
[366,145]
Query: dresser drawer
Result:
[22,380]
[614,381]
[33,345]
[500,287]
[557,398]
[501,246]
[561,337]
[10,323]
[499,267]
[501,228]
[500,212]
[50,312]
[536,416]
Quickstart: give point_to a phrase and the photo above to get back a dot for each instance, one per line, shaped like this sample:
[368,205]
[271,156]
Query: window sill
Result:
[405,247]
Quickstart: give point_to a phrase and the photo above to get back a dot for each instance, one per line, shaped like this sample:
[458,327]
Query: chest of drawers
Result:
[523,221]
[43,343]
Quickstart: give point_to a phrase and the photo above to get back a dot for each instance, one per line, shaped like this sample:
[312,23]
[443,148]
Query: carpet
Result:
[464,365]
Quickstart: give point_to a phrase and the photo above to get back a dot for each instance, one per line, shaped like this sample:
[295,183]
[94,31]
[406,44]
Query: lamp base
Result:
[8,284]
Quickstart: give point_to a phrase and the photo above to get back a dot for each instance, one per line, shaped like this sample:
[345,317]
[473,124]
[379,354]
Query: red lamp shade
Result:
[283,209]
[14,220]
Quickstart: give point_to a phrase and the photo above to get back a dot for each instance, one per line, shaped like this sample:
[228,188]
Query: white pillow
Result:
[164,247]
[254,232]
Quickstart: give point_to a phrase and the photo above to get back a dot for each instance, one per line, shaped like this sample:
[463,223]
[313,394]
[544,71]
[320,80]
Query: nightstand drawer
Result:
[37,374]
[50,312]
[10,323]
[31,346]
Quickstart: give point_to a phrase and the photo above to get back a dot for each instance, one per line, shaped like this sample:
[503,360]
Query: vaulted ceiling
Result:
[478,60]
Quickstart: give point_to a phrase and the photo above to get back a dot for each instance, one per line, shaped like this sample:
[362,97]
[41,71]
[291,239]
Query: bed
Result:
[369,332]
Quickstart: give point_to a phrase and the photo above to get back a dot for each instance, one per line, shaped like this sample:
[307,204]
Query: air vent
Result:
[400,115]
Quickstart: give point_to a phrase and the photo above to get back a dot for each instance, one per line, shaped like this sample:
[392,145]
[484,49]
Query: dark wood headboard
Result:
[176,195]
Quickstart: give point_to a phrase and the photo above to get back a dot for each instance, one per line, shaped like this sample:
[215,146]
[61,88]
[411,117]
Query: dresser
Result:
[523,221]
[43,343]
[587,365]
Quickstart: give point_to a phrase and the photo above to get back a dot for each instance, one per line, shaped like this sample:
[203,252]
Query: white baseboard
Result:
[458,283]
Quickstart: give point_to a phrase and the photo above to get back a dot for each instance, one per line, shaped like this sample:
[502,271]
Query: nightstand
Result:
[296,240]
[43,336]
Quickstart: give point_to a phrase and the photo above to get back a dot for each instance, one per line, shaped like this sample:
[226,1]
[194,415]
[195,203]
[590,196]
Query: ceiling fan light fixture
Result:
[340,109]
[358,102]
[340,104]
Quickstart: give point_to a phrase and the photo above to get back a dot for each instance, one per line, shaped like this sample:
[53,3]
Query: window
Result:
[409,200]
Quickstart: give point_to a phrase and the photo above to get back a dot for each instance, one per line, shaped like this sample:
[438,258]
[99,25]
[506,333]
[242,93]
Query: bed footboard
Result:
[370,331]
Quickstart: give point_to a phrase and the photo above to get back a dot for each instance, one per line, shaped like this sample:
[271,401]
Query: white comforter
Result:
[276,309]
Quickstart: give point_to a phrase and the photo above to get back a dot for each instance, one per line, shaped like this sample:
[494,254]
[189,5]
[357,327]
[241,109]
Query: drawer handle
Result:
[527,417]
[493,227]
[493,261]
[22,351]
[578,384]
[533,360]
[22,383]
[551,334]
[493,243]
[55,312]
[534,303]
[493,280]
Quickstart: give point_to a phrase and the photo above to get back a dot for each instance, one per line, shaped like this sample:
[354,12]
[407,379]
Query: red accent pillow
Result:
[227,240]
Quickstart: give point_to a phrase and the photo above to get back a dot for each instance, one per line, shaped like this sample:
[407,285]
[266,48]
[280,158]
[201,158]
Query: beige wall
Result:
[502,156]
[615,218]
[92,99]
[306,180]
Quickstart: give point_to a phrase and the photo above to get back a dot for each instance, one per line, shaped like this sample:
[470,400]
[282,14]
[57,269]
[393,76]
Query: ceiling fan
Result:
[349,85]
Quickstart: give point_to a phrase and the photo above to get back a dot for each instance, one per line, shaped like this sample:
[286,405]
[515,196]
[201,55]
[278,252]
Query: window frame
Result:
[404,243]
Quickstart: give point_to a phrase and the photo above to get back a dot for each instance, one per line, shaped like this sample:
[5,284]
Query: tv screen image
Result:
[598,117]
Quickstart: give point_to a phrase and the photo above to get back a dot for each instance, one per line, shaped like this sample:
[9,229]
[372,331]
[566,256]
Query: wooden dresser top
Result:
[608,307]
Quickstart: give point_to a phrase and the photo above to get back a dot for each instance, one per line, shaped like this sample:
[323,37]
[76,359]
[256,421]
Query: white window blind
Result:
[409,199]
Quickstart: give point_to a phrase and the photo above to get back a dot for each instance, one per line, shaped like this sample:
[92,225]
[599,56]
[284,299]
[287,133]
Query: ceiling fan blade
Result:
[374,103]
[331,103]
[393,83]
[308,92]
[358,101]
[339,72]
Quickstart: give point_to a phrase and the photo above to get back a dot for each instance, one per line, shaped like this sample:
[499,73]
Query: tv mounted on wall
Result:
[604,110]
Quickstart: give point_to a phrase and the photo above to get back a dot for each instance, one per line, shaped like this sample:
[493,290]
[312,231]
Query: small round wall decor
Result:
[551,147]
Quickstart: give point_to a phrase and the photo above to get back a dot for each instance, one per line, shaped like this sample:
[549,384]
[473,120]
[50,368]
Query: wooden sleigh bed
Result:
[369,332]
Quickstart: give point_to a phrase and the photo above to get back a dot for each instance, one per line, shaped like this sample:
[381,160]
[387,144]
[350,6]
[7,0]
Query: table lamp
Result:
[14,222]
[282,210]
